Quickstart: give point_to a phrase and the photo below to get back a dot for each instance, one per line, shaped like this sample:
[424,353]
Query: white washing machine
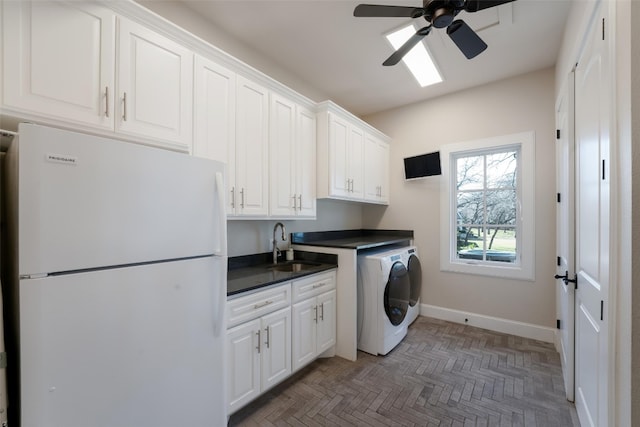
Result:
[383,300]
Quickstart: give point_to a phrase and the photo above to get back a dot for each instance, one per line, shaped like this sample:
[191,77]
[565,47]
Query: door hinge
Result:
[558,197]
[557,323]
[557,133]
[558,261]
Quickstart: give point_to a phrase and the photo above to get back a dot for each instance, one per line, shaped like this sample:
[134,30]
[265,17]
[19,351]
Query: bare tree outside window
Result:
[487,205]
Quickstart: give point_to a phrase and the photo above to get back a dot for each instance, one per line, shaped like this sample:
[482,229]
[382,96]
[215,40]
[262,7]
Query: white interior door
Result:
[592,101]
[565,233]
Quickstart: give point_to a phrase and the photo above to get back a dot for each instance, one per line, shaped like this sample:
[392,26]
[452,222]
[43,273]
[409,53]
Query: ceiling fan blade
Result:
[476,5]
[407,46]
[380,11]
[466,39]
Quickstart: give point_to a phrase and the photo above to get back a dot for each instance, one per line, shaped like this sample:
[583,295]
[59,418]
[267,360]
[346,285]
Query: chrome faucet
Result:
[276,251]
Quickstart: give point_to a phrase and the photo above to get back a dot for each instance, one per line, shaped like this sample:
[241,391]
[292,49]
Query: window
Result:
[487,207]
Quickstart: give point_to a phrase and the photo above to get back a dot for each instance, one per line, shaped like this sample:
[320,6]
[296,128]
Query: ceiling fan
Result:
[439,14]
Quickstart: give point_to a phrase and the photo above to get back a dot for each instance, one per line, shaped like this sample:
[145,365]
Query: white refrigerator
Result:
[121,283]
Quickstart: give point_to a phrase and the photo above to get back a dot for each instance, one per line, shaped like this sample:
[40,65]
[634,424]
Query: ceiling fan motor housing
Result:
[440,13]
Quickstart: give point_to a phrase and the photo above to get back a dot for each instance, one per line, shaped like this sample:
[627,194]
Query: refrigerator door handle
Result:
[222,216]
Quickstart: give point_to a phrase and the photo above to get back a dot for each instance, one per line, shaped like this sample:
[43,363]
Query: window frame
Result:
[449,261]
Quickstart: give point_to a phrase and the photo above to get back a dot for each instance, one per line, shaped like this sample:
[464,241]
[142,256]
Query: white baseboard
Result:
[496,324]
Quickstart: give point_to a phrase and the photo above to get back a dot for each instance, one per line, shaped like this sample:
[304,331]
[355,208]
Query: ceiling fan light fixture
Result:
[418,60]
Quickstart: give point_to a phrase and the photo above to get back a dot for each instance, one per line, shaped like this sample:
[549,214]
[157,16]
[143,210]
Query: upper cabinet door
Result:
[283,141]
[356,162]
[154,97]
[59,61]
[338,157]
[376,170]
[306,163]
[252,149]
[215,119]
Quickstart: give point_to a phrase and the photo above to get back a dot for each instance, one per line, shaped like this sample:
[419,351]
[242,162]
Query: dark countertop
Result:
[250,272]
[353,239]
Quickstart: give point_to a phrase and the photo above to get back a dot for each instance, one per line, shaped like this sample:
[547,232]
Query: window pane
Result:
[501,244]
[470,207]
[501,207]
[470,238]
[470,242]
[501,170]
[470,173]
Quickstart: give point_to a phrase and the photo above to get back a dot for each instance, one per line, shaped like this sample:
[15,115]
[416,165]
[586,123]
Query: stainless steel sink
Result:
[293,267]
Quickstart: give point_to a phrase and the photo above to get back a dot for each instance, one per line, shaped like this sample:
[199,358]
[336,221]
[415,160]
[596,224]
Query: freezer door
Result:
[138,346]
[87,202]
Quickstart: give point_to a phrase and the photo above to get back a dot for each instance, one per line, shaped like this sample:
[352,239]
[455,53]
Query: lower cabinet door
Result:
[243,359]
[276,347]
[304,332]
[326,304]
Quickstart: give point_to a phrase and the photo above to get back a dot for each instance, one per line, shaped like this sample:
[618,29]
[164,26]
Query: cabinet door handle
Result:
[267,331]
[322,312]
[315,311]
[259,341]
[233,197]
[242,197]
[348,184]
[262,304]
[300,202]
[294,202]
[352,185]
[124,106]
[106,101]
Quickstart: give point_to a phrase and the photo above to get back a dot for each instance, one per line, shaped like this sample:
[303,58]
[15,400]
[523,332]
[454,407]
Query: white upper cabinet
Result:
[61,64]
[376,170]
[348,167]
[214,124]
[292,134]
[250,194]
[155,84]
[306,162]
[355,162]
[58,61]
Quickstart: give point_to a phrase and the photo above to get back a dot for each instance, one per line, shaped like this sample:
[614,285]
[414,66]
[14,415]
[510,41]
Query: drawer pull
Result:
[318,285]
[262,304]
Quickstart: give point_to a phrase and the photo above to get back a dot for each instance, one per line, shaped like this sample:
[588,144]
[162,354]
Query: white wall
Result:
[250,237]
[524,103]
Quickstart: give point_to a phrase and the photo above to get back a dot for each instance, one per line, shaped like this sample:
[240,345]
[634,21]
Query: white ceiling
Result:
[322,43]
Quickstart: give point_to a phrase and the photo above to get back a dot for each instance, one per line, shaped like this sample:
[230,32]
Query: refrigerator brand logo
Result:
[61,158]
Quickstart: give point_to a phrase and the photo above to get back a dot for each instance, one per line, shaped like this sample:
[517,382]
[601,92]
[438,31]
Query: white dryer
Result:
[383,300]
[412,262]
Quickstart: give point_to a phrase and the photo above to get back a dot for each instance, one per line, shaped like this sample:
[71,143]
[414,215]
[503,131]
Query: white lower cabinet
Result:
[314,318]
[258,350]
[259,356]
[268,338]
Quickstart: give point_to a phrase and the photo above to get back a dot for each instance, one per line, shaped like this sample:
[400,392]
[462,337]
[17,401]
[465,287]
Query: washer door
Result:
[396,294]
[415,277]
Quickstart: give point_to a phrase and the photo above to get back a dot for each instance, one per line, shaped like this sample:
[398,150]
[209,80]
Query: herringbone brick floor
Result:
[442,374]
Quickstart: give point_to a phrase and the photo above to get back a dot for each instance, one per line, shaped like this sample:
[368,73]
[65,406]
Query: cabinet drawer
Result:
[313,285]
[252,306]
